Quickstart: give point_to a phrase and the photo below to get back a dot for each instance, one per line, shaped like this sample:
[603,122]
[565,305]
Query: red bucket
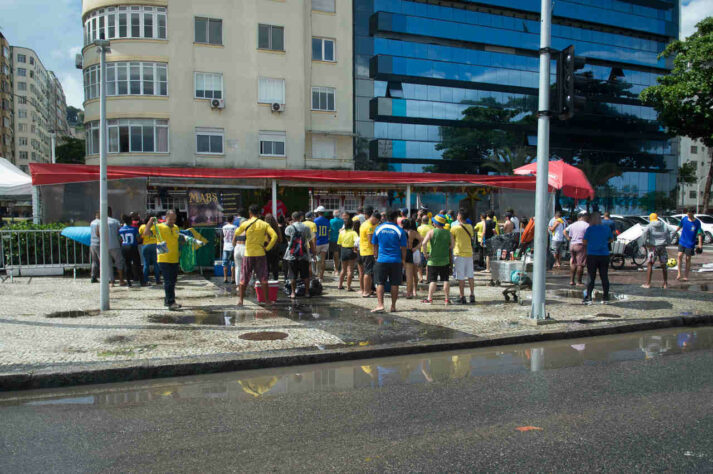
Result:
[273,289]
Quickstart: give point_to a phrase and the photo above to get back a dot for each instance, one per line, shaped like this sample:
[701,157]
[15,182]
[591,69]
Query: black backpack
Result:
[297,247]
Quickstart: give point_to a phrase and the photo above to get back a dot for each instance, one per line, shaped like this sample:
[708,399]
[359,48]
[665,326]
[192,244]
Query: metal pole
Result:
[105,263]
[53,136]
[408,199]
[274,198]
[698,196]
[36,205]
[539,284]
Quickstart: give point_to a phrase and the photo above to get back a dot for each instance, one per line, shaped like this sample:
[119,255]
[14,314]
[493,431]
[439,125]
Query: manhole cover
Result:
[72,314]
[607,315]
[263,336]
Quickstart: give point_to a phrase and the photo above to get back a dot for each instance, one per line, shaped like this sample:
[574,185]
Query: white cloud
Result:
[693,12]
[73,88]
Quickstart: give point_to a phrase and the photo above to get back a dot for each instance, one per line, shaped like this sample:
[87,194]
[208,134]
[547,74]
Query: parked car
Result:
[706,226]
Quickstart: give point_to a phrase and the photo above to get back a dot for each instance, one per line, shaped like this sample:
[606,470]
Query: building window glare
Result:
[271,90]
[323,98]
[271,37]
[130,135]
[123,78]
[208,31]
[208,85]
[323,5]
[125,22]
[209,141]
[322,49]
[272,143]
[694,149]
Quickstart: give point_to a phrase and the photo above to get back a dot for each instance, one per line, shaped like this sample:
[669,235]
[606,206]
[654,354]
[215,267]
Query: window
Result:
[125,22]
[21,86]
[21,113]
[22,100]
[123,78]
[208,85]
[21,127]
[322,49]
[694,150]
[209,31]
[32,60]
[5,51]
[323,5]
[22,72]
[271,37]
[272,143]
[130,136]
[691,194]
[209,141]
[23,155]
[21,58]
[324,147]
[323,98]
[271,90]
[22,141]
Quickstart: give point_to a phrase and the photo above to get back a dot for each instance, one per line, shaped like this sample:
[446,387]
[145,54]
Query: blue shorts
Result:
[228,258]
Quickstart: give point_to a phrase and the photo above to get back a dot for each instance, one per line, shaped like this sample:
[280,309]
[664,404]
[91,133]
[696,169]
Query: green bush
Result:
[40,248]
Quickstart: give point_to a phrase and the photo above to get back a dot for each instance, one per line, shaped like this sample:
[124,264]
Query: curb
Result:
[126,371]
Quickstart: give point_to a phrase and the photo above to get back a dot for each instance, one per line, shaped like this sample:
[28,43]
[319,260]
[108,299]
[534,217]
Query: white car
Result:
[706,226]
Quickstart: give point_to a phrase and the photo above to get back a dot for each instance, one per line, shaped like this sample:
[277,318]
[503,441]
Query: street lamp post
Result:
[53,137]
[539,274]
[106,270]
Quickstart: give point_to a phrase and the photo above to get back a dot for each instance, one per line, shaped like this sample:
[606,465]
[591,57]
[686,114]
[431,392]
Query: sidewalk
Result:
[52,334]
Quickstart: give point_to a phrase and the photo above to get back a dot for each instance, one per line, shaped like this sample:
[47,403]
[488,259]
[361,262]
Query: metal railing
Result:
[40,249]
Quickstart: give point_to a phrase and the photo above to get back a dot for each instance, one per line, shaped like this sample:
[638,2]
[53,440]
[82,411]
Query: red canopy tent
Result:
[45,173]
[567,178]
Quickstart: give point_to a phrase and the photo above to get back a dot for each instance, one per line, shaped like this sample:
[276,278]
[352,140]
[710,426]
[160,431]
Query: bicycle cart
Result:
[622,249]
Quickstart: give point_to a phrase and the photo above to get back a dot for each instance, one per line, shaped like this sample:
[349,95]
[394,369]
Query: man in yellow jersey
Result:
[423,230]
[366,249]
[168,251]
[256,233]
[462,234]
[148,251]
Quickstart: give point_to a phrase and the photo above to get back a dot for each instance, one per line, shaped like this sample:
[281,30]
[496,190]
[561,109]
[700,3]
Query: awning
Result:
[13,181]
[44,174]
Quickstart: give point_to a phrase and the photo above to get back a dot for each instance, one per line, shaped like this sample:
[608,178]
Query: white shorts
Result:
[463,267]
[324,248]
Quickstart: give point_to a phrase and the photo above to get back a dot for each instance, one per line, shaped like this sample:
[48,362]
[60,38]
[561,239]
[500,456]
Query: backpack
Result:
[297,247]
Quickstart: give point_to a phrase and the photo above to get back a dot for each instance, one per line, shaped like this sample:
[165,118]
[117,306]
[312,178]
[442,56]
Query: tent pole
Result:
[36,204]
[274,198]
[408,199]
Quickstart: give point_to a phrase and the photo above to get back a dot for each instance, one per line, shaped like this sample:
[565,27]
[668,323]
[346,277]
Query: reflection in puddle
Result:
[703,287]
[378,373]
[73,314]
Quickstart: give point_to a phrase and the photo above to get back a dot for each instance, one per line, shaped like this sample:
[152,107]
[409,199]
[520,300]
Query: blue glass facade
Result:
[429,76]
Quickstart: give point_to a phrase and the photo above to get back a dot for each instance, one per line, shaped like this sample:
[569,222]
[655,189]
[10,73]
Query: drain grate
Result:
[72,314]
[263,336]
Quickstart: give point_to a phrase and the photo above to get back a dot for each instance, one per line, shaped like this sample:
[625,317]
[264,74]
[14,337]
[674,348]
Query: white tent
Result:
[13,181]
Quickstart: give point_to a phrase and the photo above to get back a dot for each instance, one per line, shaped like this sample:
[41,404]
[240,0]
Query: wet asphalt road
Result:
[598,405]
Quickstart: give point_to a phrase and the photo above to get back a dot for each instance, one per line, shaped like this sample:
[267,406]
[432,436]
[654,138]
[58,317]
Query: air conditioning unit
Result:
[278,107]
[217,103]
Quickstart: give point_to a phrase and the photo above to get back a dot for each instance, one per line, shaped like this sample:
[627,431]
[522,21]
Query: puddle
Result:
[692,287]
[229,317]
[374,374]
[579,294]
[607,315]
[263,336]
[73,314]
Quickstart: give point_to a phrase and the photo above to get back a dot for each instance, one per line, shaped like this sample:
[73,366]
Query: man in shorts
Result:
[578,252]
[462,235]
[335,225]
[439,256]
[656,237]
[297,255]
[390,242]
[556,228]
[257,232]
[366,249]
[228,248]
[322,239]
[690,228]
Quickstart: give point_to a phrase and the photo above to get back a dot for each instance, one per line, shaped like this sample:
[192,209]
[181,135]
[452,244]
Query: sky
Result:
[53,29]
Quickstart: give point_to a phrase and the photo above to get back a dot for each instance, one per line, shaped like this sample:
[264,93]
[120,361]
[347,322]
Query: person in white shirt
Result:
[228,247]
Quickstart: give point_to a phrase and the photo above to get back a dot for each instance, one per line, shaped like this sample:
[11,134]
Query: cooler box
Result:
[617,247]
[218,268]
[273,289]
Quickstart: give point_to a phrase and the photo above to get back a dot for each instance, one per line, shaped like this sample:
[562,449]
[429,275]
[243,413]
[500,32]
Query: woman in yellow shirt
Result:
[348,240]
[168,251]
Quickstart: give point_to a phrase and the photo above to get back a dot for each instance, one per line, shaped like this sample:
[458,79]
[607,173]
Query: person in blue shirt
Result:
[130,240]
[596,240]
[691,231]
[390,242]
[606,220]
[323,226]
[335,225]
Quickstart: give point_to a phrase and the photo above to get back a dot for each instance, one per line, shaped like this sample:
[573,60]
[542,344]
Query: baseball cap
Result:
[320,209]
[653,217]
[309,215]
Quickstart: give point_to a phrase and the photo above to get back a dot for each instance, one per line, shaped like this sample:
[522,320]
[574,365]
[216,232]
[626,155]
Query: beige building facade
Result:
[693,151]
[222,83]
[7,132]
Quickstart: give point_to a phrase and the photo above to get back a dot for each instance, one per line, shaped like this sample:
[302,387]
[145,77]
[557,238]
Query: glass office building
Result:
[439,85]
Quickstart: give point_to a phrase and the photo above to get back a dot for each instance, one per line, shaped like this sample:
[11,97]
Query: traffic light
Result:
[570,85]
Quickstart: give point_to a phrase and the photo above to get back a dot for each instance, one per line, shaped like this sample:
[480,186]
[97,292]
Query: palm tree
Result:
[506,161]
[599,175]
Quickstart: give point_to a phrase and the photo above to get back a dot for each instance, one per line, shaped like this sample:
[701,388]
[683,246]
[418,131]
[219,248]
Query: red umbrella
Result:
[570,180]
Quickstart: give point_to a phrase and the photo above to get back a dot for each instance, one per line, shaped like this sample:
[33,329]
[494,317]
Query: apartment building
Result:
[7,144]
[39,108]
[220,83]
[693,151]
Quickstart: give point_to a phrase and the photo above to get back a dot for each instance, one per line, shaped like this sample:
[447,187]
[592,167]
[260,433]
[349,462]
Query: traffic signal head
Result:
[570,85]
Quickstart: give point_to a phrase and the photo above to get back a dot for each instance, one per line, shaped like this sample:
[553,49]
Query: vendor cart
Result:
[515,275]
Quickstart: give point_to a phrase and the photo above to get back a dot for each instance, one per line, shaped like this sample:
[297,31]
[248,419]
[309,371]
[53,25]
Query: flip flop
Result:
[427,301]
[378,310]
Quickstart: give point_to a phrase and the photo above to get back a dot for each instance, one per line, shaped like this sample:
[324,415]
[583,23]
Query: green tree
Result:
[507,160]
[684,98]
[72,150]
[75,116]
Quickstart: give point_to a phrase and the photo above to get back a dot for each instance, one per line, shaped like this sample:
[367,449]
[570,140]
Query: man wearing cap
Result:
[656,237]
[691,231]
[322,240]
[578,252]
[438,256]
